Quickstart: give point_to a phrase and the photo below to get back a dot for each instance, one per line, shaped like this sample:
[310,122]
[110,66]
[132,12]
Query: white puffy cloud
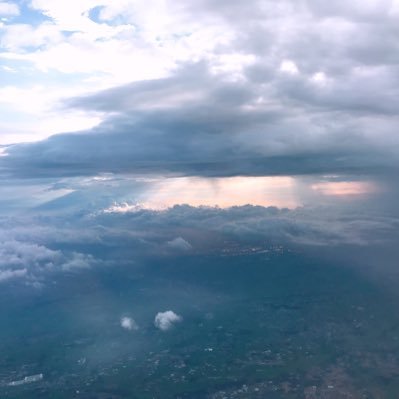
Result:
[289,67]
[17,36]
[128,324]
[151,39]
[166,320]
[17,257]
[8,9]
[17,254]
[32,260]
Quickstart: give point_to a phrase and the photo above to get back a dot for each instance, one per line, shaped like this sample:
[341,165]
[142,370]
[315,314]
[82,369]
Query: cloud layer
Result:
[304,90]
[287,89]
[218,128]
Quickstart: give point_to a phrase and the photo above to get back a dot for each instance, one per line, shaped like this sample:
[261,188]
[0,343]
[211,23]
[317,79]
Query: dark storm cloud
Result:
[331,108]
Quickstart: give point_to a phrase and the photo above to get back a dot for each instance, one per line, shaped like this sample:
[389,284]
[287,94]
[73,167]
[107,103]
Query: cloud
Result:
[179,244]
[17,254]
[11,274]
[210,228]
[102,35]
[306,91]
[16,36]
[8,9]
[33,261]
[337,211]
[221,131]
[166,320]
[129,324]
[307,88]
[77,261]
[33,246]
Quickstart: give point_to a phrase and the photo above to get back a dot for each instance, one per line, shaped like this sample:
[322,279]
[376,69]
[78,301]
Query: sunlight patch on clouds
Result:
[162,194]
[17,134]
[37,110]
[225,192]
[289,67]
[67,122]
[320,79]
[344,189]
[232,64]
[123,207]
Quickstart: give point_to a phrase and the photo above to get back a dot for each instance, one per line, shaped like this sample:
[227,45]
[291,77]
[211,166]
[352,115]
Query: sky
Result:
[162,159]
[124,108]
[201,88]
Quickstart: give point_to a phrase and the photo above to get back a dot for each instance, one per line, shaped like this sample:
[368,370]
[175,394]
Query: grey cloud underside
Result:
[268,122]
[212,137]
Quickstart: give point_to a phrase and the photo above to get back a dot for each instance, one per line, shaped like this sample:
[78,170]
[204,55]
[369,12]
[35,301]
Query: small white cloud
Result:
[18,255]
[129,324]
[319,78]
[8,9]
[180,244]
[165,320]
[124,207]
[289,67]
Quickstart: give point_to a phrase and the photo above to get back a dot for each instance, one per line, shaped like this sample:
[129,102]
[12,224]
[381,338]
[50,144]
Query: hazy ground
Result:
[280,323]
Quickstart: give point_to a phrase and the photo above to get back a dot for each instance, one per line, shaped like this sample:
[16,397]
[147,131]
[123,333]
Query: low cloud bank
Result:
[35,246]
